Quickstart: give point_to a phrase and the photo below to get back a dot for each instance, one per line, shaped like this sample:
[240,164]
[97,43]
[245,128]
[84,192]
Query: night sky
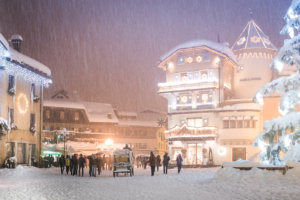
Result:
[108,50]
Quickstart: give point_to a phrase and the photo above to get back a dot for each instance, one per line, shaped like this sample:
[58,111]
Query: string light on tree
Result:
[279,134]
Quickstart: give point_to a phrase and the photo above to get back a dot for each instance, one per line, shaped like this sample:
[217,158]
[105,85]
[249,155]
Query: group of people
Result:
[156,162]
[75,165]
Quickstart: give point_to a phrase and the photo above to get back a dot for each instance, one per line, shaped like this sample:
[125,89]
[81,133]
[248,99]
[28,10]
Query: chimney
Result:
[16,41]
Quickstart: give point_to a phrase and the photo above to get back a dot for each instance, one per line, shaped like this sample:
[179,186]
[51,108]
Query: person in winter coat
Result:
[81,164]
[90,165]
[99,163]
[75,165]
[71,164]
[166,162]
[152,162]
[94,164]
[179,162]
[61,162]
[68,162]
[158,160]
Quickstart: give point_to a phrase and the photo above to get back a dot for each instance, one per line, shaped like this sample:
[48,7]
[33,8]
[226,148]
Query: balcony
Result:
[187,85]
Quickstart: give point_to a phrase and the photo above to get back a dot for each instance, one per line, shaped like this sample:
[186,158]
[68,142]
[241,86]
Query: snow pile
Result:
[241,163]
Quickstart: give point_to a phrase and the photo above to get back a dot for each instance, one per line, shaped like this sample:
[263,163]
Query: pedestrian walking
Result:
[94,165]
[99,160]
[81,164]
[71,165]
[158,160]
[166,163]
[179,162]
[68,162]
[61,162]
[90,165]
[152,162]
[75,165]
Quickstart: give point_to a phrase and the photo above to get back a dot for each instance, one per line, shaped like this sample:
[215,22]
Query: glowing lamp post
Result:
[65,134]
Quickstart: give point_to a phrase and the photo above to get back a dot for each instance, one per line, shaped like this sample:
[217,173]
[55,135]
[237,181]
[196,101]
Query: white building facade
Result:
[209,88]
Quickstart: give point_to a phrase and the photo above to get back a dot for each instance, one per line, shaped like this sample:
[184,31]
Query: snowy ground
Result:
[214,183]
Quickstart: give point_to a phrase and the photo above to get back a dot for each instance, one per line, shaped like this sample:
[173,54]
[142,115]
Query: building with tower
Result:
[209,87]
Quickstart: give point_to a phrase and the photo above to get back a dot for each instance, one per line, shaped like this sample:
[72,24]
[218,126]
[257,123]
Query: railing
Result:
[186,85]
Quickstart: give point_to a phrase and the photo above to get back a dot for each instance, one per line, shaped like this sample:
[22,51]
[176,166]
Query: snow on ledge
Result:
[198,43]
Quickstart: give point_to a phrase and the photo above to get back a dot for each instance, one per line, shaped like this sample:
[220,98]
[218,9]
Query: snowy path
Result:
[226,184]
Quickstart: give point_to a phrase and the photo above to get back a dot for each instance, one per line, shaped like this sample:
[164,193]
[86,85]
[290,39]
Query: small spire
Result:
[250,14]
[218,39]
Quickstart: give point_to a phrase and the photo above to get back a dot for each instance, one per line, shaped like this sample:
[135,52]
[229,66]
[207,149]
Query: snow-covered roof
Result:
[100,112]
[222,48]
[96,112]
[127,114]
[252,37]
[143,123]
[25,61]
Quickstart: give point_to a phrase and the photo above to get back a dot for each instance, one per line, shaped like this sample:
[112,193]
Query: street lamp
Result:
[109,142]
[65,135]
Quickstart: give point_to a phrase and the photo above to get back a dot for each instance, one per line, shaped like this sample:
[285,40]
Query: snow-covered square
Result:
[198,183]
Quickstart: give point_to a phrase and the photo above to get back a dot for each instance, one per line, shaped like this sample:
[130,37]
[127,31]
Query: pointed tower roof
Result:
[252,37]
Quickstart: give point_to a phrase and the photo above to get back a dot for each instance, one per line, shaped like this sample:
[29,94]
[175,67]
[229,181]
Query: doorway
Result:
[238,153]
[21,153]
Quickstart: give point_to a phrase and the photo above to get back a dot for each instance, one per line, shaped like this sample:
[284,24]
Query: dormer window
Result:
[11,85]
[76,116]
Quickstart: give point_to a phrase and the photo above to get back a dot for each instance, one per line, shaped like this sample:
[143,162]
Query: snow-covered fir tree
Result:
[281,134]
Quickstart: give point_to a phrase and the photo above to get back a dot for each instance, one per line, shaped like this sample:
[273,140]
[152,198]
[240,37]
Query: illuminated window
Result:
[195,122]
[183,77]
[11,84]
[61,115]
[47,114]
[76,116]
[204,75]
[198,123]
[176,77]
[191,122]
[211,74]
[180,59]
[196,75]
[190,76]
[204,98]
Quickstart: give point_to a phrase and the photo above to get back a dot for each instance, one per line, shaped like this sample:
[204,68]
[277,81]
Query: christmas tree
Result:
[281,134]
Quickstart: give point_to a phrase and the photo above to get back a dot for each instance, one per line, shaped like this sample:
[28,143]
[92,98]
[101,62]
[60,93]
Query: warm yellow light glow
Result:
[217,60]
[109,142]
[198,59]
[22,103]
[170,67]
[189,60]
